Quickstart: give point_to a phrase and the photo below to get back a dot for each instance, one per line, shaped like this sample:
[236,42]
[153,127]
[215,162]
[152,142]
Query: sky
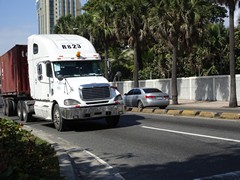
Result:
[18,20]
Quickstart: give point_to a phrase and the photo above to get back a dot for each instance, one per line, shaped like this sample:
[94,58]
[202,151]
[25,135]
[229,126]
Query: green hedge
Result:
[24,156]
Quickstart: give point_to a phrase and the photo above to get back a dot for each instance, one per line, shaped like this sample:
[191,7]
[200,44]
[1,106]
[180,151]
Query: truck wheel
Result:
[20,110]
[112,121]
[58,121]
[25,115]
[14,108]
[9,107]
[4,107]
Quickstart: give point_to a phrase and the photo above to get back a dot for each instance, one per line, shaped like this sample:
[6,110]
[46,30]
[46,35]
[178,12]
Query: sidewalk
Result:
[186,102]
[217,106]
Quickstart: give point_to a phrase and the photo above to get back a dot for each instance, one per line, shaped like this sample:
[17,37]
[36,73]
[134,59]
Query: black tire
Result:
[9,107]
[140,104]
[25,115]
[4,107]
[112,121]
[20,110]
[14,108]
[58,121]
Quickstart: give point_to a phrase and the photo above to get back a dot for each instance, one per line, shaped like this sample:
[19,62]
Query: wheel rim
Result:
[140,105]
[19,110]
[24,114]
[56,118]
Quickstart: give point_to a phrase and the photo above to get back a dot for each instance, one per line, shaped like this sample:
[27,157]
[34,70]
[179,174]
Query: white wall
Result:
[211,88]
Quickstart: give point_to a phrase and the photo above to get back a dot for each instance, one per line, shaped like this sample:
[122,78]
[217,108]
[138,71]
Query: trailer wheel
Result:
[26,116]
[14,108]
[9,107]
[112,121]
[4,107]
[58,121]
[20,110]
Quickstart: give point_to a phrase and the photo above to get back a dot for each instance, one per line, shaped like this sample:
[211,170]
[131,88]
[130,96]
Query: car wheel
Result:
[140,104]
[58,121]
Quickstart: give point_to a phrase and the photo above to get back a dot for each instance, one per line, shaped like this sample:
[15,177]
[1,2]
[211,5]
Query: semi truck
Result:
[57,77]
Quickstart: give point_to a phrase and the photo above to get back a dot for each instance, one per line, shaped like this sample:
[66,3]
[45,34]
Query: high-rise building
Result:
[49,11]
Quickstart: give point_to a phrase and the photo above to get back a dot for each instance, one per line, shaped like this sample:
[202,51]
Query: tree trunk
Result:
[136,64]
[233,96]
[174,73]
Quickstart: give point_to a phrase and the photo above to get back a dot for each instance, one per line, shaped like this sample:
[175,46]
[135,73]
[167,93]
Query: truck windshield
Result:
[77,68]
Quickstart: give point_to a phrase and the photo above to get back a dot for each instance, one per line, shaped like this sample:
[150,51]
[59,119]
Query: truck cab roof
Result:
[61,47]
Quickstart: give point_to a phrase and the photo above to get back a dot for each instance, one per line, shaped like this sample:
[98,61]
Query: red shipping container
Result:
[14,72]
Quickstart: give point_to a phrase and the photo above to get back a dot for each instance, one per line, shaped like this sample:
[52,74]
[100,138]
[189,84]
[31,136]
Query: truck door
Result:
[45,79]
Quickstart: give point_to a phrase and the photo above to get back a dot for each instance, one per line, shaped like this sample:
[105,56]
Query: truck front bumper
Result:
[92,112]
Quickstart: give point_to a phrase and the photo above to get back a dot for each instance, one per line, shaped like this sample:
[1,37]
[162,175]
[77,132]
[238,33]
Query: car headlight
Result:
[71,102]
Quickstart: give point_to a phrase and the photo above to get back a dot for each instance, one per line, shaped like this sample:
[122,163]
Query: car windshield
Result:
[77,68]
[152,90]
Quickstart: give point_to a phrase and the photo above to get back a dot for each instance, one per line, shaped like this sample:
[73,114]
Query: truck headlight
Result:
[71,102]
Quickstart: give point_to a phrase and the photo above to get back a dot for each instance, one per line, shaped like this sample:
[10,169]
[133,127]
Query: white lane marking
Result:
[117,175]
[192,134]
[99,160]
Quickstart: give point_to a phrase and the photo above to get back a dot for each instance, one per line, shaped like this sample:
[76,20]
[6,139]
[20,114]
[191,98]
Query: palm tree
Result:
[231,4]
[180,24]
[129,23]
[167,21]
[102,14]
[65,25]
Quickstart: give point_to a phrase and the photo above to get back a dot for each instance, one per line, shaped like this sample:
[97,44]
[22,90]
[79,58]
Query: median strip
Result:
[187,112]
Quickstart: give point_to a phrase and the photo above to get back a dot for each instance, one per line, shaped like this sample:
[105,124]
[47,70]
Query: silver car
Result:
[146,97]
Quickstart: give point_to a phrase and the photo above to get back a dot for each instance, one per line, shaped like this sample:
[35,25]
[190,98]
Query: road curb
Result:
[208,114]
[160,111]
[174,112]
[230,116]
[190,113]
[187,112]
[147,110]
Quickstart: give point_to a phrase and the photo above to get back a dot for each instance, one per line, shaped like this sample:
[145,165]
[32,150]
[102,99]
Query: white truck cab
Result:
[66,81]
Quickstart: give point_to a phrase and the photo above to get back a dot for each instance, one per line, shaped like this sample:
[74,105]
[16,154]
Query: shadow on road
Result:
[88,125]
[198,166]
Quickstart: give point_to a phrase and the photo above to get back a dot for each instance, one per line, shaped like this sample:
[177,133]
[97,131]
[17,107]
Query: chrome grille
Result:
[96,93]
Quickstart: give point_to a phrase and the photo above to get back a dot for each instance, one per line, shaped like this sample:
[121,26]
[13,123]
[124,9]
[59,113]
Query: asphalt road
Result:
[147,146]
